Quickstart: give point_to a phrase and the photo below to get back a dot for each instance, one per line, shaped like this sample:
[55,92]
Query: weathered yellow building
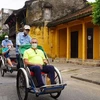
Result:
[75,38]
[71,38]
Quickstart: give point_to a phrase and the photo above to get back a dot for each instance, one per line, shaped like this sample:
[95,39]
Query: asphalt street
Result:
[75,89]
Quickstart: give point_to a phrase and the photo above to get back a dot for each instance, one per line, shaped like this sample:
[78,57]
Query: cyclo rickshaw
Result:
[27,83]
[4,66]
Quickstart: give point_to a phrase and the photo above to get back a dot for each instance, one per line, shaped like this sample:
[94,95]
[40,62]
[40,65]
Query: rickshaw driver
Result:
[22,38]
[34,58]
[7,45]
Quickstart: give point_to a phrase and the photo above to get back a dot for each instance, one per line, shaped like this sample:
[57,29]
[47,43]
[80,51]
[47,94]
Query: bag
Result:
[12,52]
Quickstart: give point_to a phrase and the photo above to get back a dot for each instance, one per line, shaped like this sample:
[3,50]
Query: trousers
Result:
[7,55]
[49,69]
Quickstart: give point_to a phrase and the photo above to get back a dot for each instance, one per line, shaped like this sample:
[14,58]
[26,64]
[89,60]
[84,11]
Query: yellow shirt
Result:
[34,56]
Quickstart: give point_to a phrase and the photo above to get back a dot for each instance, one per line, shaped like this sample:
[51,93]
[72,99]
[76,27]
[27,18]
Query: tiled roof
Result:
[79,14]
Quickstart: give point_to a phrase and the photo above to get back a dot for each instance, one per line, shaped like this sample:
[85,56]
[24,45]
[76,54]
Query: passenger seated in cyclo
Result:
[35,59]
[7,46]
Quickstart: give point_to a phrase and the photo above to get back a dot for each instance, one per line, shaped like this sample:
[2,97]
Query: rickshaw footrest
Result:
[52,88]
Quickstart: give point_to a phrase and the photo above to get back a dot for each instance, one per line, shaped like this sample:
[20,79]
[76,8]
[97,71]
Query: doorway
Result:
[74,44]
[90,43]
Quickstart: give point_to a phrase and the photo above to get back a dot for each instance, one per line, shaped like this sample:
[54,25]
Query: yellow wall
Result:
[44,37]
[68,48]
[80,44]
[62,42]
[96,43]
[56,43]
[50,38]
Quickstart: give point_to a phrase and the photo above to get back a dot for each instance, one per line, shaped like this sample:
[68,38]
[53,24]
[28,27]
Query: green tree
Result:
[96,12]
[2,37]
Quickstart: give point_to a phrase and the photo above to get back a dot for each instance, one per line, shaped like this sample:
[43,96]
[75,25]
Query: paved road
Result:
[75,90]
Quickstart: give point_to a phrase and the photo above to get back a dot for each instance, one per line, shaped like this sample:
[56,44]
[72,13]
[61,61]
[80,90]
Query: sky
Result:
[91,0]
[16,4]
[12,4]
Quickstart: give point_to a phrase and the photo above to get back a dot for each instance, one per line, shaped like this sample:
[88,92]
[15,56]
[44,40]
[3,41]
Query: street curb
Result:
[87,80]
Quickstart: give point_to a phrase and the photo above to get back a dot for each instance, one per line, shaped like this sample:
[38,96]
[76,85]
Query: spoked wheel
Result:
[58,81]
[0,63]
[2,70]
[22,90]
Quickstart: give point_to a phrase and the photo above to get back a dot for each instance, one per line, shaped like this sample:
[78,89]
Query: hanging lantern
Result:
[47,11]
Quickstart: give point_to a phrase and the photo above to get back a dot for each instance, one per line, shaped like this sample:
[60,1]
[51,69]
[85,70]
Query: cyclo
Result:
[4,64]
[27,83]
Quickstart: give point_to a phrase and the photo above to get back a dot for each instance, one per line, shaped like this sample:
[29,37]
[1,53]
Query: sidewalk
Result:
[81,72]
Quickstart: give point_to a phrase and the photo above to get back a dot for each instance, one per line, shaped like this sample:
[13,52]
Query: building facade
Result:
[77,40]
[69,36]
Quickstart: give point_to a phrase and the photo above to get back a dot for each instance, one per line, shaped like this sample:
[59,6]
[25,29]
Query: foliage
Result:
[2,37]
[96,12]
[0,51]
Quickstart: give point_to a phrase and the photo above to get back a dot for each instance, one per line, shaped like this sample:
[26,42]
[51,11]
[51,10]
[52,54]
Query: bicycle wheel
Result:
[58,81]
[22,90]
[2,70]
